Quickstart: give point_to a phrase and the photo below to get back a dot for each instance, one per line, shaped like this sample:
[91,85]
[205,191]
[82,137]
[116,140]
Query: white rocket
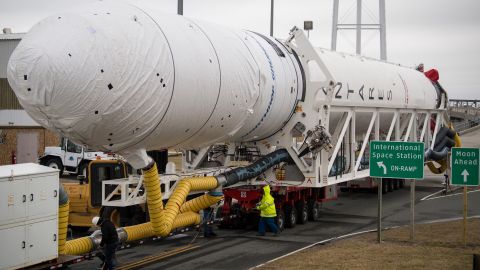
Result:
[118,77]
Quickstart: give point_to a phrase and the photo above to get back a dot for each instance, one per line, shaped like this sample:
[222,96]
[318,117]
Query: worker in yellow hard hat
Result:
[267,213]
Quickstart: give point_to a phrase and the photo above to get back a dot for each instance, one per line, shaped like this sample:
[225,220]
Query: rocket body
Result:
[117,77]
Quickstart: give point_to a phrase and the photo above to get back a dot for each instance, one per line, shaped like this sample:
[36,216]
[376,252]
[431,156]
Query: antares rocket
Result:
[122,78]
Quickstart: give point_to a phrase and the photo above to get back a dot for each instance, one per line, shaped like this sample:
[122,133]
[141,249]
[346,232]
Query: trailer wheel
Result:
[280,219]
[290,216]
[395,183]
[240,220]
[313,210]
[302,212]
[389,185]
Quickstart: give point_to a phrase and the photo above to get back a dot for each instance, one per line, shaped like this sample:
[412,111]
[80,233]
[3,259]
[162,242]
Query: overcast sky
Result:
[443,34]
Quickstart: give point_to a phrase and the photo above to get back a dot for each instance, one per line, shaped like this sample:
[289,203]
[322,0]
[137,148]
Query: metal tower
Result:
[359,26]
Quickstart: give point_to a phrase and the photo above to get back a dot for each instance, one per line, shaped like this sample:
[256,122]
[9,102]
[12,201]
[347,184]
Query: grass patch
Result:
[436,246]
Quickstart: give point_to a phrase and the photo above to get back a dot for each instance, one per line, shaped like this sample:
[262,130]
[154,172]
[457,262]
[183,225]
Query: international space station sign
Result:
[396,159]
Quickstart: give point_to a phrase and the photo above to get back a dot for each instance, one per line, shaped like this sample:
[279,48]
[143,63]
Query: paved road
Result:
[352,212]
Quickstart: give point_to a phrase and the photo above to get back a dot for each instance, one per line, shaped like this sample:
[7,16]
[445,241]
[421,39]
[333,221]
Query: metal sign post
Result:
[397,160]
[412,209]
[379,224]
[465,171]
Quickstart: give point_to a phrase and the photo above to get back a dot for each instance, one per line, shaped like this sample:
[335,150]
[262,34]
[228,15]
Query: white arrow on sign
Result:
[381,165]
[465,174]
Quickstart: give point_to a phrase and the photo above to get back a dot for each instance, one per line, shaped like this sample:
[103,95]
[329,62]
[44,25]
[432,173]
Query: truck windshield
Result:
[71,147]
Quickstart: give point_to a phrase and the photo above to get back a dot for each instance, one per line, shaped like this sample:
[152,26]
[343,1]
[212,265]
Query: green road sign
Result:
[465,167]
[396,159]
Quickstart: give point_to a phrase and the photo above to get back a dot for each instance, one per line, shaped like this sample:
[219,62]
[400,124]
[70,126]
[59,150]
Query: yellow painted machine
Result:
[86,197]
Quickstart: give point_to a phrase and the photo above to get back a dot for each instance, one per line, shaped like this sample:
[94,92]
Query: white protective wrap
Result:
[366,82]
[118,77]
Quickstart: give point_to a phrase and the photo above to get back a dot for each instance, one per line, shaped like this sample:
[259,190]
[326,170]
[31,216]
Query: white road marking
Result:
[446,196]
[433,194]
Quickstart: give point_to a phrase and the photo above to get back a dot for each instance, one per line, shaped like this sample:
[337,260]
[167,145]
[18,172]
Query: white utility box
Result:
[28,215]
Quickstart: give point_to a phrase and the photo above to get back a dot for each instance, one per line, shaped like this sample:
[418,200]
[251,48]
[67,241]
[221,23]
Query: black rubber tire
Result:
[313,210]
[290,216]
[55,163]
[401,183]
[302,212]
[240,221]
[280,219]
[82,170]
[384,186]
[389,185]
[395,183]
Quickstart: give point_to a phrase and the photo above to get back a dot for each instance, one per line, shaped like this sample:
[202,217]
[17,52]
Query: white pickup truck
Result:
[70,157]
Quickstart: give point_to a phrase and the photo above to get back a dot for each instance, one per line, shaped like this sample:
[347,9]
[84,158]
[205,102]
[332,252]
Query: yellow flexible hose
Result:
[199,203]
[458,140]
[79,246]
[177,199]
[151,182]
[162,221]
[437,170]
[63,211]
[141,231]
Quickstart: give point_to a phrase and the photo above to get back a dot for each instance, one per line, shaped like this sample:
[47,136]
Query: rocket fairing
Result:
[118,77]
[114,76]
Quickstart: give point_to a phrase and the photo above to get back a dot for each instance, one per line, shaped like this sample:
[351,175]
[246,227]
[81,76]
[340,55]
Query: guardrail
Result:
[466,110]
[461,126]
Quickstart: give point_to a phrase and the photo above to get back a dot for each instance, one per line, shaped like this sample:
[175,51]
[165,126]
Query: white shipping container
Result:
[28,215]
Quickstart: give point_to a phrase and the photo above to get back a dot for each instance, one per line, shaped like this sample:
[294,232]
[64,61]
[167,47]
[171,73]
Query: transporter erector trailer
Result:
[125,78]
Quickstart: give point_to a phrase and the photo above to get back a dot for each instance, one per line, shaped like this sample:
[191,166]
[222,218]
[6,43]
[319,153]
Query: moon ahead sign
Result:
[465,166]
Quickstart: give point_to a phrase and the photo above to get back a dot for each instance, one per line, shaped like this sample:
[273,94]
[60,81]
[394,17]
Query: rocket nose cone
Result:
[31,80]
[41,70]
[102,77]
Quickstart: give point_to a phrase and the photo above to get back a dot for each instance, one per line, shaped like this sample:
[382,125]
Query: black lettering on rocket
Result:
[337,94]
[370,93]
[380,94]
[349,90]
[360,91]
[389,95]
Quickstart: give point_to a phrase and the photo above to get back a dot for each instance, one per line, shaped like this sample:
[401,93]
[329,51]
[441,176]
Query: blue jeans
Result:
[109,253]
[207,216]
[270,221]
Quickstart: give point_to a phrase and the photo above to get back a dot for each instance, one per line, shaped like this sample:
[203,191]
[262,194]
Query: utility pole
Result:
[383,31]
[271,17]
[358,43]
[180,7]
[360,27]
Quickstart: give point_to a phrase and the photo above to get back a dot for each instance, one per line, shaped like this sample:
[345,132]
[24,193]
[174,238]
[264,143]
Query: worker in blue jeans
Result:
[267,213]
[109,242]
[207,218]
